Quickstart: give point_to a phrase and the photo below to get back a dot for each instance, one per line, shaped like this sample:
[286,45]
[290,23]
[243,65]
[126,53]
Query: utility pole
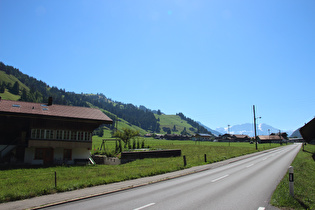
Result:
[229,135]
[269,137]
[255,126]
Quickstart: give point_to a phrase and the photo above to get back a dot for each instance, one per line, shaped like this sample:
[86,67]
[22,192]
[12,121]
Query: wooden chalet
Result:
[39,133]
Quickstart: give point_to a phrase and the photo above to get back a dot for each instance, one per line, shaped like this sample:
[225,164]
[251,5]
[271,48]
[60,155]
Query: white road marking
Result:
[265,159]
[142,207]
[250,165]
[261,208]
[222,177]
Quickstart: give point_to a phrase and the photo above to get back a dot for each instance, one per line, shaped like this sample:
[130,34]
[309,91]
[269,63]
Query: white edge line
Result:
[222,177]
[142,207]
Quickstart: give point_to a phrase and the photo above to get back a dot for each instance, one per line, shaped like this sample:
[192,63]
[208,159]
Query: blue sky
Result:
[211,60]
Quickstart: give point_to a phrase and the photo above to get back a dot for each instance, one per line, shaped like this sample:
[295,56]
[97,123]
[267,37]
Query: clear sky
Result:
[209,59]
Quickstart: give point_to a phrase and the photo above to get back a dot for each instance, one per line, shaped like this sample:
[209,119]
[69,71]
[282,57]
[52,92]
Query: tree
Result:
[284,135]
[2,87]
[184,132]
[15,89]
[24,95]
[159,112]
[99,131]
[125,135]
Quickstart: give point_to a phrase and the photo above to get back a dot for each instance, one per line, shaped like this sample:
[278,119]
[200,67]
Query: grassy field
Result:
[25,183]
[11,79]
[304,183]
[9,96]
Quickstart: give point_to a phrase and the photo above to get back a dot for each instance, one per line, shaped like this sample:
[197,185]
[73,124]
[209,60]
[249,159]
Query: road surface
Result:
[245,184]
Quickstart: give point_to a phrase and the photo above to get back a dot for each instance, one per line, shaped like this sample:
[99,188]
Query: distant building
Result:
[176,137]
[270,139]
[308,131]
[202,137]
[38,133]
[233,138]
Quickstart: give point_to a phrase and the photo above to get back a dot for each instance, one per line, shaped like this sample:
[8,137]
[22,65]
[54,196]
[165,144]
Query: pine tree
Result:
[15,89]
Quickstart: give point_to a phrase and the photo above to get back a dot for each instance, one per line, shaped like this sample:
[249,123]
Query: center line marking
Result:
[142,207]
[249,165]
[222,177]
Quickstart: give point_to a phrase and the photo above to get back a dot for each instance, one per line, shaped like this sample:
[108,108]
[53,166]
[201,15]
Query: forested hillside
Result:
[22,87]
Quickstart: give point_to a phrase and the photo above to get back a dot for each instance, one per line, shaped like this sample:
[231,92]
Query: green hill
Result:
[14,85]
[11,79]
[174,121]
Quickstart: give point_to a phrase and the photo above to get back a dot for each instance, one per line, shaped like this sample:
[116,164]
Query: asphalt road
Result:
[244,184]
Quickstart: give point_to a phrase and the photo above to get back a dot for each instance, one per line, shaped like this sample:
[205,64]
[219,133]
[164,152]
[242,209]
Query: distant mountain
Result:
[248,129]
[214,132]
[296,133]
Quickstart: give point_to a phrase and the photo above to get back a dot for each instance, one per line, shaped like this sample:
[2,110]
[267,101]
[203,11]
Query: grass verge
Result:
[304,183]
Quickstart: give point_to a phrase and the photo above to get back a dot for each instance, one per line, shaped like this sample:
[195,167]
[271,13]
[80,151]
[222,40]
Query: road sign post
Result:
[291,180]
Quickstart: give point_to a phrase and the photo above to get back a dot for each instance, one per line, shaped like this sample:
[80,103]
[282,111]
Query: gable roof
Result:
[42,109]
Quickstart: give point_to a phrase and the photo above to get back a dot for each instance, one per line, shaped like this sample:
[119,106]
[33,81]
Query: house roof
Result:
[240,136]
[42,109]
[269,137]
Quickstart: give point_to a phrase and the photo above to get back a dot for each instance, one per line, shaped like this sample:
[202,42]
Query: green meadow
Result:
[24,183]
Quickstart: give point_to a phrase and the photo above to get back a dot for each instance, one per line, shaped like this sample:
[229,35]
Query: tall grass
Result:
[25,183]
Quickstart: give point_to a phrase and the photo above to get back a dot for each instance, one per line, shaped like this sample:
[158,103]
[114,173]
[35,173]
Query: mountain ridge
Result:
[248,129]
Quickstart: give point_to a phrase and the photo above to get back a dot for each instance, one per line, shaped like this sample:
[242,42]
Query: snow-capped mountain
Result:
[248,129]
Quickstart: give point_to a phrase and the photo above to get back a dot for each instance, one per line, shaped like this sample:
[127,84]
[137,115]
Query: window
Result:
[48,134]
[66,135]
[42,134]
[67,154]
[73,135]
[80,136]
[33,133]
[87,136]
[59,134]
